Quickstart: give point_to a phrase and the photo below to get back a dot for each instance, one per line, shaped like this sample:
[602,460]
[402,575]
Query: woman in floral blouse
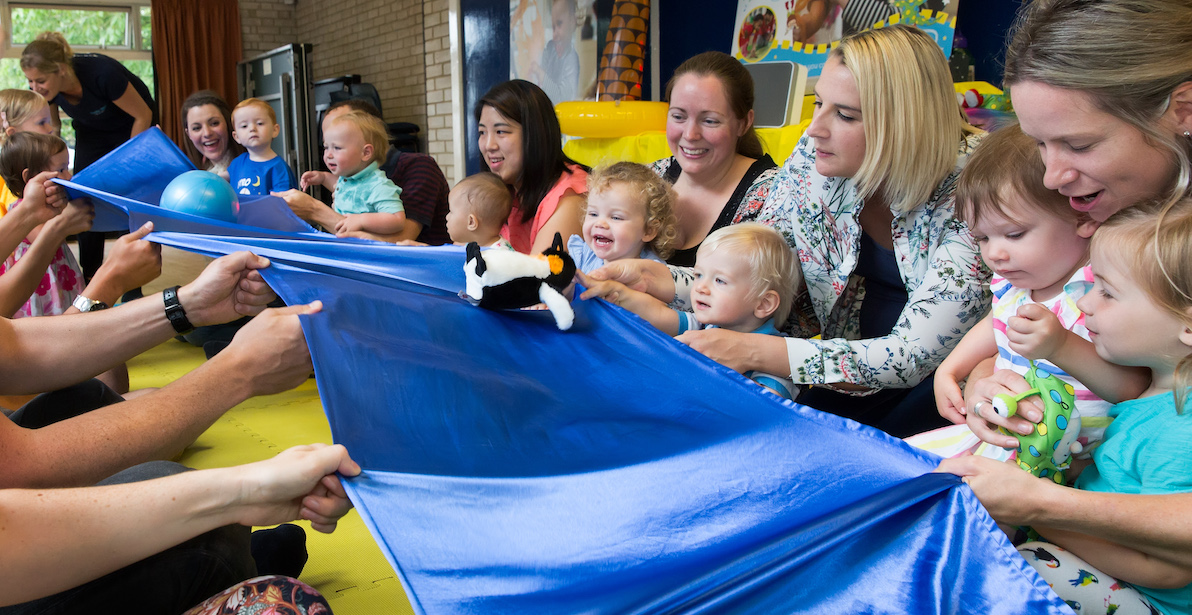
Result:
[893,280]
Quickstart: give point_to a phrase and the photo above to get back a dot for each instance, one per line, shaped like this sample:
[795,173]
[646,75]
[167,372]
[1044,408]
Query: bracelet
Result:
[174,311]
[83,304]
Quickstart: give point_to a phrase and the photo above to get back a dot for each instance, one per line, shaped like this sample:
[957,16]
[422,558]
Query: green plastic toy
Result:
[1047,451]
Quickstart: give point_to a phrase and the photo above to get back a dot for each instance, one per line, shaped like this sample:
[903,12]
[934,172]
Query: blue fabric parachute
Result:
[513,468]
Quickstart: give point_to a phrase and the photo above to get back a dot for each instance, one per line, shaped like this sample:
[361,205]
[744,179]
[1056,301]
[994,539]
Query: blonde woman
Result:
[893,279]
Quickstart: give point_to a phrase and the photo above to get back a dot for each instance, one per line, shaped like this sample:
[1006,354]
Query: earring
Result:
[1187,134]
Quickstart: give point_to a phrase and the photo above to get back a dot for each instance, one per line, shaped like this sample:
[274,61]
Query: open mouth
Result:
[693,152]
[1084,203]
[602,241]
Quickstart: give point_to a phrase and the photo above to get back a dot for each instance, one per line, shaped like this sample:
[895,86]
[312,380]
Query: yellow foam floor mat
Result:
[346,566]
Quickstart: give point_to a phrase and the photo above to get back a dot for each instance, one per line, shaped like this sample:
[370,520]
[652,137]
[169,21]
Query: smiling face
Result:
[207,131]
[1032,248]
[501,145]
[837,124]
[344,150]
[1125,325]
[253,128]
[615,223]
[724,294]
[38,122]
[1100,162]
[701,130]
[46,84]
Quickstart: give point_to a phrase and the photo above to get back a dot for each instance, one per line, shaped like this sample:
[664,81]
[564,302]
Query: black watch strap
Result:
[174,311]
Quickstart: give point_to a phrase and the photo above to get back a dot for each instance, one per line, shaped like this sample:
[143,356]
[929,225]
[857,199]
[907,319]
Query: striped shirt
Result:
[1006,301]
[423,193]
[859,15]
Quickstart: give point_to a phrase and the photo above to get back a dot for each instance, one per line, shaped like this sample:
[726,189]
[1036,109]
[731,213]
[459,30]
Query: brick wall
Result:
[380,41]
[439,123]
[265,25]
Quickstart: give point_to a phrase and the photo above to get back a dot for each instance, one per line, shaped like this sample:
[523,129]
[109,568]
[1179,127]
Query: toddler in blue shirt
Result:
[259,170]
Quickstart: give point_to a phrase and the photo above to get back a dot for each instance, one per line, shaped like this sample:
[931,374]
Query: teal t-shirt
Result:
[1145,451]
[367,192]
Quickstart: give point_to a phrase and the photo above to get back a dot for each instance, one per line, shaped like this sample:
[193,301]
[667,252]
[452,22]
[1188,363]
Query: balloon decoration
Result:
[623,59]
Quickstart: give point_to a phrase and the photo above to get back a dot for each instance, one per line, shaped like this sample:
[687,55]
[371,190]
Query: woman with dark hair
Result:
[518,125]
[720,173]
[207,121]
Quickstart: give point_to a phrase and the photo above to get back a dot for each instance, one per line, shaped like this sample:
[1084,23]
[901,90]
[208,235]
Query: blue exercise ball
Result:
[202,193]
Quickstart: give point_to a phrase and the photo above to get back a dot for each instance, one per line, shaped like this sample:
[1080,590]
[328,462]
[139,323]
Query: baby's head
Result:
[254,125]
[745,274]
[477,208]
[28,153]
[629,207]
[23,111]
[563,24]
[352,141]
[1140,308]
[1027,234]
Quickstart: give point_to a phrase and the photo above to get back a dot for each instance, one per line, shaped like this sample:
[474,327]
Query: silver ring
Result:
[977,408]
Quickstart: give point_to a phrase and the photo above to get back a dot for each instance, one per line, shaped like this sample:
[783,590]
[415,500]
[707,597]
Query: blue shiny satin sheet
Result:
[513,468]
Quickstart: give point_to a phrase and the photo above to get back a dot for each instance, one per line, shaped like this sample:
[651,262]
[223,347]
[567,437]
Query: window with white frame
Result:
[120,30]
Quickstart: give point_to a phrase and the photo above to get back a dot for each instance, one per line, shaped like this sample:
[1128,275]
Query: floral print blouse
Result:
[946,282]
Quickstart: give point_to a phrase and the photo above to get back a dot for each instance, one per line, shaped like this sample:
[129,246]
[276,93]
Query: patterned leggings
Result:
[273,594]
[1087,590]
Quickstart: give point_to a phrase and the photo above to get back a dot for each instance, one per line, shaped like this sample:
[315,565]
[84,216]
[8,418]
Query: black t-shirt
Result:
[101,126]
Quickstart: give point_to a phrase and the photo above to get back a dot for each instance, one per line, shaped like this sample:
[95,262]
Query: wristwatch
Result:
[174,311]
[89,305]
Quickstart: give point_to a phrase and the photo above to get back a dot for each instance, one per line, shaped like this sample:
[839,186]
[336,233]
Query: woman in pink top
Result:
[518,124]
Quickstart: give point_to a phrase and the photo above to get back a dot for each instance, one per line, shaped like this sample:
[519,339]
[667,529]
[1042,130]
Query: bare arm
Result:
[131,103]
[1157,525]
[132,263]
[18,283]
[267,356]
[57,539]
[976,346]
[310,209]
[648,276]
[1036,333]
[89,344]
[1119,561]
[376,223]
[565,221]
[650,309]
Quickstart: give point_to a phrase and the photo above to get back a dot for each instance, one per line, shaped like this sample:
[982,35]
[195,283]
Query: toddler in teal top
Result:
[368,200]
[1139,314]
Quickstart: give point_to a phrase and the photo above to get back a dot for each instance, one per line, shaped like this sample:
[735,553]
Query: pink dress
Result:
[60,285]
[522,234]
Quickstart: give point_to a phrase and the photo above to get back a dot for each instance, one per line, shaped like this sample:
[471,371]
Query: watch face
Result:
[97,306]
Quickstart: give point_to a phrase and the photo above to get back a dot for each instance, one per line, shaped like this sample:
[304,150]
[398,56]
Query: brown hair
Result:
[486,196]
[30,151]
[1153,242]
[737,84]
[200,99]
[1006,159]
[47,53]
[1128,56]
[657,200]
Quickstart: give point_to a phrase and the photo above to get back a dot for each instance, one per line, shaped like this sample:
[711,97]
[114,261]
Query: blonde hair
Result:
[254,102]
[47,53]
[657,200]
[772,262]
[913,124]
[1153,241]
[30,151]
[1127,56]
[1007,158]
[18,107]
[374,131]
[487,197]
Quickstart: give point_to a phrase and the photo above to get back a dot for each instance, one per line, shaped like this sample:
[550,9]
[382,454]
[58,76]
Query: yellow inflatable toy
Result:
[602,120]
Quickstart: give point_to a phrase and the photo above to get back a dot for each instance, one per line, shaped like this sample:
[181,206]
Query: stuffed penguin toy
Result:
[505,280]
